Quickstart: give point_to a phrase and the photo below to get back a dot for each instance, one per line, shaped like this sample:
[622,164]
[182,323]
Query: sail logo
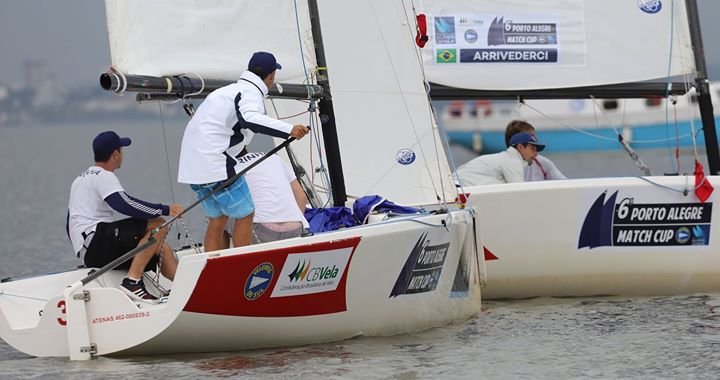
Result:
[446,56]
[300,271]
[629,223]
[471,36]
[444,30]
[307,273]
[258,281]
[650,6]
[422,270]
[502,32]
[496,32]
[405,156]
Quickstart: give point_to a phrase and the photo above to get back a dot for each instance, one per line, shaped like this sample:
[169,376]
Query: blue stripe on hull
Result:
[568,140]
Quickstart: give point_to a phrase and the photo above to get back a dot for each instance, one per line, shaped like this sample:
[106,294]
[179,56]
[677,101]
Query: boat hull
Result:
[609,236]
[382,279]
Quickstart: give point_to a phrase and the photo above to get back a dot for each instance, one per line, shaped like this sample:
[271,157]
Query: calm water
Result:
[658,337]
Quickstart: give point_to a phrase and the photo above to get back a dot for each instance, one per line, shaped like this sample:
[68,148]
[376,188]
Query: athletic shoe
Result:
[136,290]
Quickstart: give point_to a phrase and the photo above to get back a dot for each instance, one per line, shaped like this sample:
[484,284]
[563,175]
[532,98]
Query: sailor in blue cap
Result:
[216,137]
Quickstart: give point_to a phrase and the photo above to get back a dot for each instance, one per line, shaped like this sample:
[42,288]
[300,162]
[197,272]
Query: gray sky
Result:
[71,35]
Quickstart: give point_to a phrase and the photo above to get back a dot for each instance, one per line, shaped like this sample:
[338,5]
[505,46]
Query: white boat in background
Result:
[649,235]
[579,125]
[397,275]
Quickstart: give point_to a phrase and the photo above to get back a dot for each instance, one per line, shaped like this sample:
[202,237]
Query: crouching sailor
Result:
[97,239]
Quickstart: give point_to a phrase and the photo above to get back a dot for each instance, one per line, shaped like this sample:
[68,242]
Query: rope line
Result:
[3,293]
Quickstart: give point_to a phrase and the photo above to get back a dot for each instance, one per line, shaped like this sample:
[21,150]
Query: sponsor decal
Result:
[258,281]
[422,269]
[503,32]
[508,55]
[309,273]
[650,6]
[444,30]
[405,156]
[626,222]
[515,38]
[471,36]
[312,281]
[446,56]
[120,317]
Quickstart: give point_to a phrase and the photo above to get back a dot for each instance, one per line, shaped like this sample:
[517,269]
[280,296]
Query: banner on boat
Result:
[286,282]
[422,269]
[626,222]
[506,38]
[308,273]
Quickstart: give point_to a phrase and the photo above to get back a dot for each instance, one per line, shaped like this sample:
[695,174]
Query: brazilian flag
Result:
[446,56]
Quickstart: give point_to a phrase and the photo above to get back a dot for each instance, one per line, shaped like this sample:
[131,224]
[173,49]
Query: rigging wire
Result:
[633,155]
[167,161]
[314,124]
[433,115]
[409,115]
[591,134]
[667,86]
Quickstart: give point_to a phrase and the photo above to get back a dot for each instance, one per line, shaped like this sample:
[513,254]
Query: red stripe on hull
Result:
[222,285]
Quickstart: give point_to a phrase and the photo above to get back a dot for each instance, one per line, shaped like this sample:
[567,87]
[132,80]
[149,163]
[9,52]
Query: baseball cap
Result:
[266,61]
[525,138]
[108,141]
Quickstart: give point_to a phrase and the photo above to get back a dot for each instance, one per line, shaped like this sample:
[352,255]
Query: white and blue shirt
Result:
[222,126]
[94,196]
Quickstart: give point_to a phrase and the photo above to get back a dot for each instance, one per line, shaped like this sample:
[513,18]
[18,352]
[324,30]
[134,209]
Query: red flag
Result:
[703,187]
[462,198]
[421,38]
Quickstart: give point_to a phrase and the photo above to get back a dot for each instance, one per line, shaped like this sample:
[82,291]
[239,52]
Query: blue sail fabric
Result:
[333,218]
[329,219]
[367,204]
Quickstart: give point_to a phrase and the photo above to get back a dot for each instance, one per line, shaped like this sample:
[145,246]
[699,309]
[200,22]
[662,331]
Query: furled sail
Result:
[213,39]
[530,44]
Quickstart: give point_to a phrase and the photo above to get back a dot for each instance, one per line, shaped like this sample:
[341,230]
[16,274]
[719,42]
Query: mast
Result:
[327,113]
[703,89]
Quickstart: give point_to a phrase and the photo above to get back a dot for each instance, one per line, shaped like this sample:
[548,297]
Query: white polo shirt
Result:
[205,153]
[542,169]
[504,167]
[87,206]
[272,194]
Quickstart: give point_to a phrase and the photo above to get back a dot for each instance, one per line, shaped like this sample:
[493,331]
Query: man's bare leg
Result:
[214,235]
[137,267]
[242,231]
[168,262]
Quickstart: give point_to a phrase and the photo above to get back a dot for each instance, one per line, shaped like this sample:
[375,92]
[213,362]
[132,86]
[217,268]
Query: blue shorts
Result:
[234,201]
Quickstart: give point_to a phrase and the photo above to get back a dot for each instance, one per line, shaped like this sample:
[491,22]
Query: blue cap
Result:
[266,61]
[525,138]
[106,142]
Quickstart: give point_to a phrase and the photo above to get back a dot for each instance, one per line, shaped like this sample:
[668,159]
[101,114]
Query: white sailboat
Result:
[399,275]
[648,235]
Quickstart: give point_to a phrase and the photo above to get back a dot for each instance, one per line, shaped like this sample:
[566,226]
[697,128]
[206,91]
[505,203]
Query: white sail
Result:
[388,139]
[382,110]
[213,39]
[530,44]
